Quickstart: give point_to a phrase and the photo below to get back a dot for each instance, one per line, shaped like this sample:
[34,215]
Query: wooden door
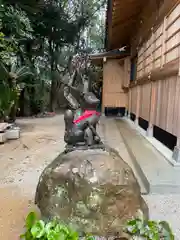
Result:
[113,94]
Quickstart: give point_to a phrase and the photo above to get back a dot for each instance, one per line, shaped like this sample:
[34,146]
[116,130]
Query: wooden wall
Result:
[158,75]
[113,81]
[127,70]
[162,46]
[133,103]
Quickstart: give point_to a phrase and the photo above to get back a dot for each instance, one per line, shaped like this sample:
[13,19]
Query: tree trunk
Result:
[52,93]
[12,115]
[22,103]
[52,96]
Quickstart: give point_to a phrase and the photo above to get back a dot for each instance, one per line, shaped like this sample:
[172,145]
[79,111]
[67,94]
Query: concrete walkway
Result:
[111,136]
[161,206]
[41,141]
[158,175]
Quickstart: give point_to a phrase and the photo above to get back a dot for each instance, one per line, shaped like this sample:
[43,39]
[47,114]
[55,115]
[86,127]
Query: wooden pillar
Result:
[138,104]
[176,152]
[152,110]
[129,102]
[152,95]
[179,58]
[103,88]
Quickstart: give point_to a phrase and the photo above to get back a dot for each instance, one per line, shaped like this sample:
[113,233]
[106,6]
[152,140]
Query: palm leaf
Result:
[20,73]
[21,70]
[13,68]
[23,75]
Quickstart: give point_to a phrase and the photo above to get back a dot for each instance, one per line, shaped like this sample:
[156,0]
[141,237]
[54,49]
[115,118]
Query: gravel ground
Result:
[22,162]
[165,207]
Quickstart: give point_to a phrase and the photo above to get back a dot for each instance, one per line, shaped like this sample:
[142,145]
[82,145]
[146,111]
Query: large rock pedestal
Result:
[94,191]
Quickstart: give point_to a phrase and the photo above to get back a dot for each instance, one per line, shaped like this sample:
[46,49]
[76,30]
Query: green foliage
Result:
[8,97]
[40,37]
[16,22]
[139,228]
[10,86]
[53,230]
[19,73]
[7,49]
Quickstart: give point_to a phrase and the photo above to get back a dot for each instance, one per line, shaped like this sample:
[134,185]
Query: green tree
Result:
[43,36]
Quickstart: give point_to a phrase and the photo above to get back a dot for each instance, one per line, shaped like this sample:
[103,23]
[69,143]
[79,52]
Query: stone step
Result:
[157,174]
[110,135]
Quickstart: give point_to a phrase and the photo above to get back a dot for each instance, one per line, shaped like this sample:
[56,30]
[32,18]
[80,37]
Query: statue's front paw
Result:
[97,139]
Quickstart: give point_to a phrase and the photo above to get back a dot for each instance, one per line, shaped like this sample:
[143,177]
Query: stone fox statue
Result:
[81,119]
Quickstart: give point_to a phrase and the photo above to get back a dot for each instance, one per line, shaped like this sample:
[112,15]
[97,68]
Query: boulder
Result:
[93,191]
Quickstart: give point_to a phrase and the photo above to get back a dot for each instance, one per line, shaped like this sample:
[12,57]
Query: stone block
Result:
[13,133]
[3,137]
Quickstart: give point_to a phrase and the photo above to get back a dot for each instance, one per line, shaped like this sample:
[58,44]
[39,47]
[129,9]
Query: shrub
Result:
[138,229]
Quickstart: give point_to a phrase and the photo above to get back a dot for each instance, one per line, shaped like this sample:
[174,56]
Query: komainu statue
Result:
[81,120]
[88,186]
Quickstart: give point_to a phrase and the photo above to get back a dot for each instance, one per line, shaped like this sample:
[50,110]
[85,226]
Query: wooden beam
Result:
[154,19]
[130,5]
[163,42]
[152,52]
[132,8]
[122,34]
[118,9]
[119,19]
[103,88]
[125,3]
[169,69]
[121,41]
[132,18]
[179,57]
[165,9]
[171,6]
